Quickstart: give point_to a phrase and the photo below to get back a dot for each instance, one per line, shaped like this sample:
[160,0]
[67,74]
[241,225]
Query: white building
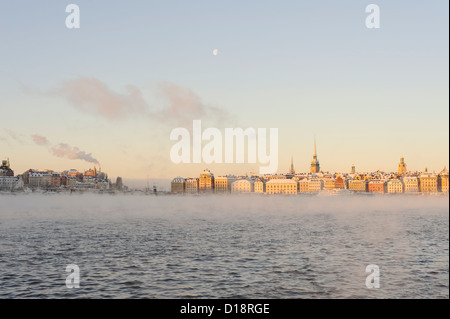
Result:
[40,179]
[10,183]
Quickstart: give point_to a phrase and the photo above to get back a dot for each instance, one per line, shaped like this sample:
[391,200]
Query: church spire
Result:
[315,167]
[292,171]
[315,153]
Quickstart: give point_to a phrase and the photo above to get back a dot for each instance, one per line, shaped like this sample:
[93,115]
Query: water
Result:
[223,246]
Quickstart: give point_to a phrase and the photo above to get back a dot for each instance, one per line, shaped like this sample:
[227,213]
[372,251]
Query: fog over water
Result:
[230,246]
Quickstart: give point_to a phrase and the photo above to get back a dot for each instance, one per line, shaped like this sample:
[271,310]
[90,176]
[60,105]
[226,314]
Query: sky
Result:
[109,93]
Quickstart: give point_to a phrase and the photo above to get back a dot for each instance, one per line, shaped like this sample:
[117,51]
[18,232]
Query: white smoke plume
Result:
[66,151]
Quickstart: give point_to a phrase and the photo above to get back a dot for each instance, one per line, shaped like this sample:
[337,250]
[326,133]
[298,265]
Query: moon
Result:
[215,52]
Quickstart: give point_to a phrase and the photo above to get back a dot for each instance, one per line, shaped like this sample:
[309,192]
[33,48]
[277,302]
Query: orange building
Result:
[377,187]
[339,183]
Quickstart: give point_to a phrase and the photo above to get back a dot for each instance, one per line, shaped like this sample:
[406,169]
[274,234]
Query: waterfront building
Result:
[429,182]
[91,172]
[72,173]
[40,178]
[56,180]
[206,181]
[9,183]
[444,180]
[260,186]
[192,185]
[376,186]
[357,185]
[281,186]
[71,181]
[329,183]
[395,186]
[242,186]
[103,184]
[402,167]
[315,185]
[303,185]
[90,179]
[222,184]
[178,185]
[411,184]
[339,183]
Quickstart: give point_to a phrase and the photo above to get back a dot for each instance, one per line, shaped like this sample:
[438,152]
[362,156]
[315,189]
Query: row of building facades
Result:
[377,182]
[46,179]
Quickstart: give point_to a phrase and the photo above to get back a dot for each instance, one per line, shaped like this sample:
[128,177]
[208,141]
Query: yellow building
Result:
[395,186]
[191,185]
[260,186]
[329,183]
[242,186]
[444,180]
[315,185]
[281,186]
[411,184]
[402,167]
[91,172]
[429,182]
[303,186]
[357,185]
[206,181]
[222,184]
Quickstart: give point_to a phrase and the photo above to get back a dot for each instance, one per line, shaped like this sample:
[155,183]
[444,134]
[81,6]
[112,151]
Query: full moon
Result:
[215,52]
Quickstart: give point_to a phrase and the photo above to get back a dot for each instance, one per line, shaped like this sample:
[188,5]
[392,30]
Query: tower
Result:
[315,166]
[292,171]
[353,169]
[402,166]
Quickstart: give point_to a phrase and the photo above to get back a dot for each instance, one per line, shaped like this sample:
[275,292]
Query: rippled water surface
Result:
[223,246]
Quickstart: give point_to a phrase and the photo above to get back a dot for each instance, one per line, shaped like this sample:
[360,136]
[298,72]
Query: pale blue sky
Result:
[306,67]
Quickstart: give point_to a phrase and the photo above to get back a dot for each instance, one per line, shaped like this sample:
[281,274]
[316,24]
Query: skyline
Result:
[116,87]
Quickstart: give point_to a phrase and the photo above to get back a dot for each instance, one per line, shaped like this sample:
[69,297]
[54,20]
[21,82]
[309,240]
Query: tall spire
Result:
[315,153]
[292,171]
[315,167]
